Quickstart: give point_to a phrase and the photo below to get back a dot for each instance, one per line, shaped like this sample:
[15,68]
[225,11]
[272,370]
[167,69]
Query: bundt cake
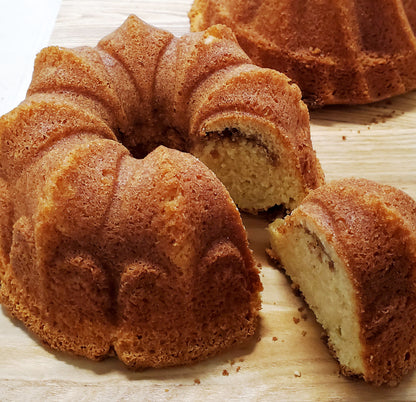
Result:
[338,52]
[104,253]
[350,247]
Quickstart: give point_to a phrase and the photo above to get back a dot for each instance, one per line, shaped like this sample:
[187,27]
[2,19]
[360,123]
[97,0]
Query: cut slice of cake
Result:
[350,247]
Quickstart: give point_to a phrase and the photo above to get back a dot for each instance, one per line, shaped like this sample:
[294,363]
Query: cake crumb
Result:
[297,373]
[304,316]
[344,138]
[241,359]
[232,362]
[225,373]
[274,338]
[301,308]
[197,381]
[304,333]
[296,320]
[237,369]
[166,390]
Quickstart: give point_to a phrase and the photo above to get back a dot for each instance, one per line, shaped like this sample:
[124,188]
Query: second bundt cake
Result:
[350,247]
[338,52]
[103,253]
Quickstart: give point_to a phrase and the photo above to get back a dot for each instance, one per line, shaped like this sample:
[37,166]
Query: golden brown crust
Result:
[328,48]
[102,252]
[372,229]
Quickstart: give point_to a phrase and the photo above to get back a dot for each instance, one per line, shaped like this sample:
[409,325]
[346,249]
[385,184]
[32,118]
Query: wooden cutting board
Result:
[286,359]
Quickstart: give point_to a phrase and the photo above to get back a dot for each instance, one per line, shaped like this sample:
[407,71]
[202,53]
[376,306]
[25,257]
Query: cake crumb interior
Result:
[254,177]
[314,266]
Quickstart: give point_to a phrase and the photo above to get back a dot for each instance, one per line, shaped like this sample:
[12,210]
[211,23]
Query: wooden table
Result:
[285,360]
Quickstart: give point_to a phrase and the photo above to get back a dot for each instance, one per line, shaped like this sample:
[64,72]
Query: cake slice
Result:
[350,247]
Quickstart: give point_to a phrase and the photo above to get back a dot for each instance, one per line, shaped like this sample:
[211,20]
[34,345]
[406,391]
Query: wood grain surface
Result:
[287,359]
